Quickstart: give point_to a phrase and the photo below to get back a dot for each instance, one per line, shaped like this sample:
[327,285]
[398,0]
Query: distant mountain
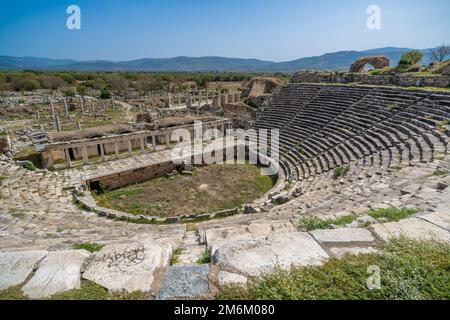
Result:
[329,61]
[21,63]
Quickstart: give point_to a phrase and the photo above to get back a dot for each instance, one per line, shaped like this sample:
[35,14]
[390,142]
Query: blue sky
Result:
[277,30]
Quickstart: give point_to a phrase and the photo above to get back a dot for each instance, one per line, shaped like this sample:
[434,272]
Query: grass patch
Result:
[205,258]
[409,270]
[17,213]
[31,155]
[14,293]
[210,189]
[394,107]
[2,178]
[443,173]
[176,256]
[91,247]
[137,220]
[28,165]
[391,214]
[340,171]
[88,291]
[191,227]
[314,223]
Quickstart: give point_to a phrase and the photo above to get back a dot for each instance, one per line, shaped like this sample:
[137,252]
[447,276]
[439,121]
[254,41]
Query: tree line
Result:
[79,82]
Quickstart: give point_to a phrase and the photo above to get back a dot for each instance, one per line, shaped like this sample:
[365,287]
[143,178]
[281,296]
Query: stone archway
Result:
[378,62]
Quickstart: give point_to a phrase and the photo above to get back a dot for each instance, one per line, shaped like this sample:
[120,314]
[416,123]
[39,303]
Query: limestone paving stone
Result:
[16,267]
[256,257]
[342,235]
[414,228]
[258,229]
[128,267]
[440,219]
[228,278]
[60,271]
[185,281]
[339,252]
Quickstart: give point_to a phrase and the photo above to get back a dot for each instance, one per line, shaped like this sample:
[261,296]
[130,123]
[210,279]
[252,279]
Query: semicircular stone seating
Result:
[390,141]
[323,127]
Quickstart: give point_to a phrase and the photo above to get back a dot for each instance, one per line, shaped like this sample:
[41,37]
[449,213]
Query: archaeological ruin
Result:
[84,172]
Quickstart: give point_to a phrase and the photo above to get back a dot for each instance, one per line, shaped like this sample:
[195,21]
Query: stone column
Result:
[179,101]
[102,151]
[170,100]
[142,145]
[154,143]
[65,107]
[113,104]
[167,139]
[78,125]
[69,162]
[81,104]
[52,108]
[84,154]
[219,100]
[130,148]
[57,123]
[206,96]
[116,149]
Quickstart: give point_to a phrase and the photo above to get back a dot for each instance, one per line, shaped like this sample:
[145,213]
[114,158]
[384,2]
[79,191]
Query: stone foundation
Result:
[5,144]
[121,179]
[401,80]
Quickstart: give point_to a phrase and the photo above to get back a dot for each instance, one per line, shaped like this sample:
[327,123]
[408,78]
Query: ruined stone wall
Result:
[241,114]
[93,151]
[5,144]
[402,80]
[125,178]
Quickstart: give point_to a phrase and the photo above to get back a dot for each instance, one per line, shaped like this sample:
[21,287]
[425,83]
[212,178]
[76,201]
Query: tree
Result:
[69,92]
[27,84]
[81,89]
[51,82]
[118,83]
[105,94]
[410,58]
[440,53]
[145,84]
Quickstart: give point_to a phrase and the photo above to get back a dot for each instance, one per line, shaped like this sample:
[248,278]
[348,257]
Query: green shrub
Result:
[105,94]
[340,171]
[409,270]
[176,256]
[443,173]
[91,247]
[410,58]
[314,223]
[391,214]
[205,258]
[28,165]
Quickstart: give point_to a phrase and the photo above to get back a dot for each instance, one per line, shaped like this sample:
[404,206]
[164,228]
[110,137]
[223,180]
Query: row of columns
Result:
[101,147]
[66,107]
[200,97]
[143,142]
